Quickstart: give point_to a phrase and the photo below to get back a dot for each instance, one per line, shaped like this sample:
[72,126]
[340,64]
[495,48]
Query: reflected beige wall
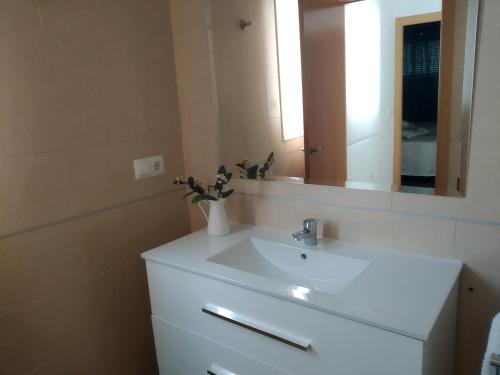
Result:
[229,89]
[197,92]
[247,81]
[85,88]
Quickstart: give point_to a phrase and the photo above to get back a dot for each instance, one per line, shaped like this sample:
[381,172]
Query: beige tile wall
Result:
[85,88]
[465,229]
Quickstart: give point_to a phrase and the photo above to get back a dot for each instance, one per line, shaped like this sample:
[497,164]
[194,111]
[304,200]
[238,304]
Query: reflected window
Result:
[290,68]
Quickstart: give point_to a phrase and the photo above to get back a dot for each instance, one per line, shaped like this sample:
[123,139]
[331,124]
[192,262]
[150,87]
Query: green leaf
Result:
[194,186]
[227,193]
[270,157]
[229,176]
[222,170]
[263,170]
[188,194]
[198,198]
[252,172]
[209,197]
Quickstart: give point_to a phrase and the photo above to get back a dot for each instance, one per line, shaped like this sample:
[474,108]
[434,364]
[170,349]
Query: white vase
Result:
[216,218]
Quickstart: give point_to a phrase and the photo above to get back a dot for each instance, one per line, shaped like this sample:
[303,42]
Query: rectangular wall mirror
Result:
[366,94]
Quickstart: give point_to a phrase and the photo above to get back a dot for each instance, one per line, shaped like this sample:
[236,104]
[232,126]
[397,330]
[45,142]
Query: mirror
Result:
[366,94]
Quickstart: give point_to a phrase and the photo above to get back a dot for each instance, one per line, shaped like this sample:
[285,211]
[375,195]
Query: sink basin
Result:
[303,269]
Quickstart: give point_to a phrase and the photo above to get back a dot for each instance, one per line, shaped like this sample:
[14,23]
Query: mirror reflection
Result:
[369,94]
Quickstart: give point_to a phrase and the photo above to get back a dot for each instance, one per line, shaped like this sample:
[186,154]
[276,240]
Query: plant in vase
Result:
[262,170]
[214,196]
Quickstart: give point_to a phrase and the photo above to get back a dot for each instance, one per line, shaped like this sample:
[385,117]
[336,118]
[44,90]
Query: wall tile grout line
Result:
[56,150]
[87,214]
[35,370]
[105,109]
[455,240]
[66,181]
[374,209]
[73,286]
[44,41]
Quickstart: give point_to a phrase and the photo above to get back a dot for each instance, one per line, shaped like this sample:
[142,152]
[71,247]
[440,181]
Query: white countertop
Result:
[399,292]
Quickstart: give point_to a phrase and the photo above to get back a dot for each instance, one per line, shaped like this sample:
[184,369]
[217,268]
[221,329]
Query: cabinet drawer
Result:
[181,352]
[330,344]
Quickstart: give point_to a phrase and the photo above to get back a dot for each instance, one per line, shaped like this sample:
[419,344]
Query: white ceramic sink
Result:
[304,269]
[393,290]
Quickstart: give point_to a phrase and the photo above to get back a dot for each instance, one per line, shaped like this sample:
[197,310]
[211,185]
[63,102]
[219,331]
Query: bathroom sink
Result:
[303,269]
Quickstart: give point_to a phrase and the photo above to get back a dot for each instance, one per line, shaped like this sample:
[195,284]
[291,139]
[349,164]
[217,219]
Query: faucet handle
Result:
[311,224]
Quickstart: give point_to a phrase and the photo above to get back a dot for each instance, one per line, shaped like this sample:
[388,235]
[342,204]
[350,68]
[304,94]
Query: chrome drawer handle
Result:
[495,360]
[262,329]
[216,370]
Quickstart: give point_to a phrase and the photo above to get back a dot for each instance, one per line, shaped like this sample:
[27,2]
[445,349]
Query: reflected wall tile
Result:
[266,188]
[206,145]
[273,98]
[193,67]
[242,101]
[489,28]
[225,14]
[341,196]
[293,164]
[486,83]
[241,54]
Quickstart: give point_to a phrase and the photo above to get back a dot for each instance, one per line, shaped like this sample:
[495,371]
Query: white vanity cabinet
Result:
[182,352]
[209,324]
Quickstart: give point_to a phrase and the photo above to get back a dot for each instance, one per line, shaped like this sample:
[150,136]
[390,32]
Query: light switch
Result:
[149,167]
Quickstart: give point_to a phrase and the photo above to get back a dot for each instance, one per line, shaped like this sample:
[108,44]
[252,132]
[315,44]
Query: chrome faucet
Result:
[309,234]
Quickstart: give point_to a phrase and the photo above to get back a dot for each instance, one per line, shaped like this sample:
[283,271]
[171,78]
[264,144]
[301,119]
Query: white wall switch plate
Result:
[149,167]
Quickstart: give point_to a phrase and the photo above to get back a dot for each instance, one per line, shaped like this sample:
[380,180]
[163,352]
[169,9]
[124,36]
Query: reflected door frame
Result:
[322,26]
[400,24]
